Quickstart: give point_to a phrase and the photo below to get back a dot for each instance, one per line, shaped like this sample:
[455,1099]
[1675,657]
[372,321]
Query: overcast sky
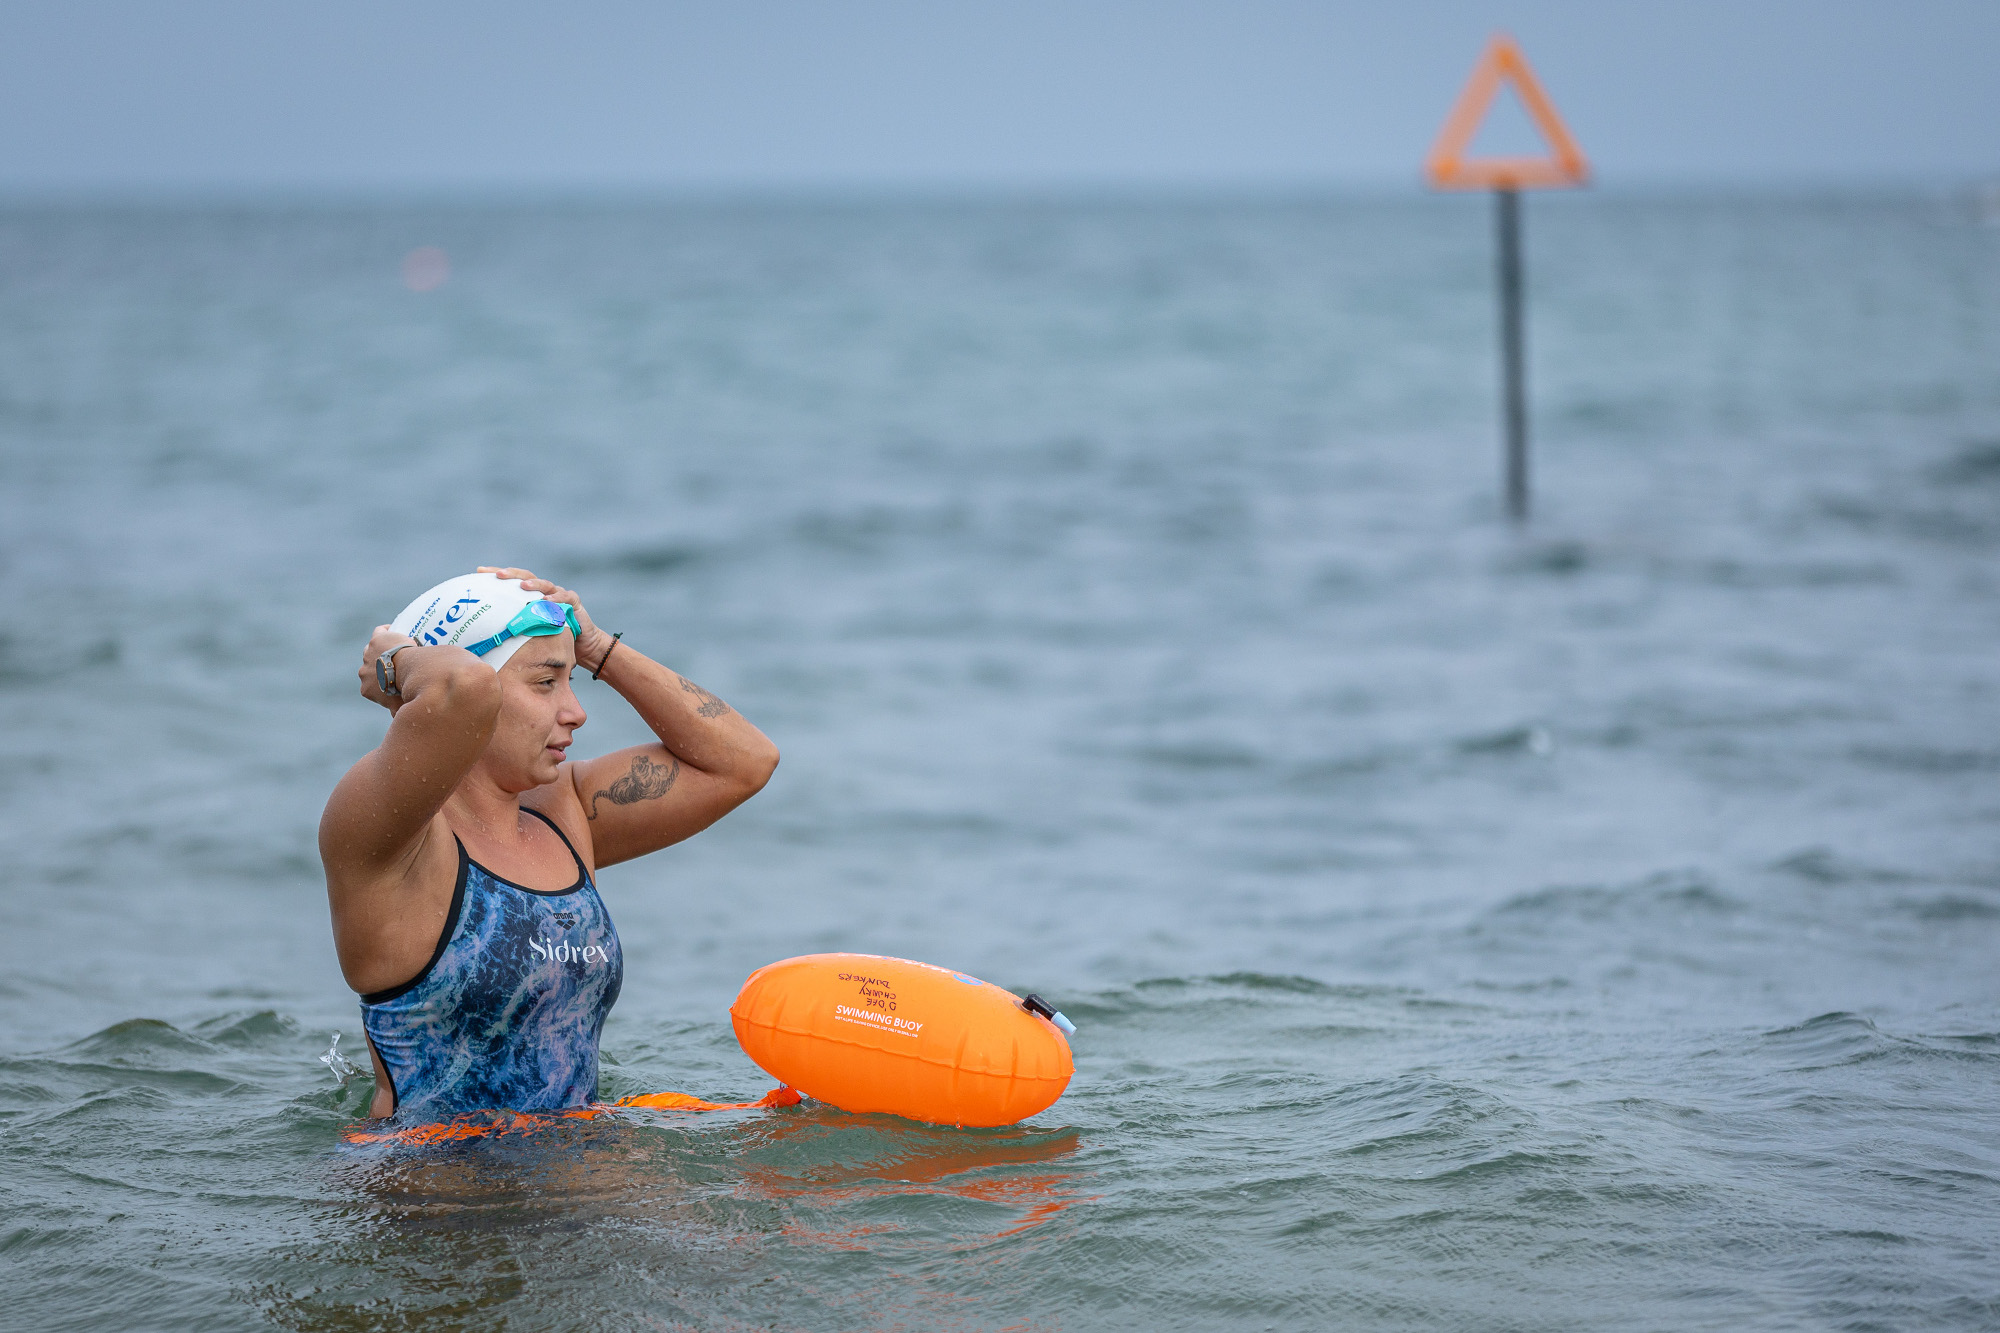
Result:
[337,94]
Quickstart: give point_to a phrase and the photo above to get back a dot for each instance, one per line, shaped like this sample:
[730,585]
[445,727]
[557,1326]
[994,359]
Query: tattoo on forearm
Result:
[645,781]
[710,705]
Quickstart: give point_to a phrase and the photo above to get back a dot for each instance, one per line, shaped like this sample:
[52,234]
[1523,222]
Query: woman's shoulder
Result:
[385,918]
[557,802]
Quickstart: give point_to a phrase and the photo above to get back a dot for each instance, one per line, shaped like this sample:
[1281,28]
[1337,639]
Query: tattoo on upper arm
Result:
[643,782]
[710,705]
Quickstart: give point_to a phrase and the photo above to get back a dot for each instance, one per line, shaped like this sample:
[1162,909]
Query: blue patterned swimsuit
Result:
[507,1013]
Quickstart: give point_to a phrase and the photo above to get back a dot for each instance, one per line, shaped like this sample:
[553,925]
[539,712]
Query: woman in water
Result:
[461,853]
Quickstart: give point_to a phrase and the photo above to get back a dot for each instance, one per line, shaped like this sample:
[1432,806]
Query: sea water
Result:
[1586,927]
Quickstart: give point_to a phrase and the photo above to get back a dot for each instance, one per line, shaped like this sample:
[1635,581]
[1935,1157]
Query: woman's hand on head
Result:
[591,642]
[381,641]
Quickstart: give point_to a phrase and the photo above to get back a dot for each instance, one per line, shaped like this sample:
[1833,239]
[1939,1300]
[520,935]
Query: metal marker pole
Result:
[1513,370]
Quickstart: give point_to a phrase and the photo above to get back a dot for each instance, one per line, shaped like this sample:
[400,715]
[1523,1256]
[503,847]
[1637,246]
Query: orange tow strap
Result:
[481,1124]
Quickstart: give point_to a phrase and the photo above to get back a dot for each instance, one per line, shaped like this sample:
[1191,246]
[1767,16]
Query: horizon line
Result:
[225,193]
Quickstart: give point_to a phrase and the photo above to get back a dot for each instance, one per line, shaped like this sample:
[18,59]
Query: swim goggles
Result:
[533,620]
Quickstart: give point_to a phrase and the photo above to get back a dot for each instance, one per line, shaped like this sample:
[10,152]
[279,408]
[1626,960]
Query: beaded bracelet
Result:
[598,672]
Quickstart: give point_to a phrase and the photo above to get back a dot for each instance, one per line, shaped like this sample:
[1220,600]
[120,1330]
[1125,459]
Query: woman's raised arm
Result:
[442,718]
[708,761]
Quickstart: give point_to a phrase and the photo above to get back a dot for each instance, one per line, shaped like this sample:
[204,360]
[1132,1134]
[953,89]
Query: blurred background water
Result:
[1591,928]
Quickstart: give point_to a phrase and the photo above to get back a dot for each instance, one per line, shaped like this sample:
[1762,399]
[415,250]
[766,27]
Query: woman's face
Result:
[539,713]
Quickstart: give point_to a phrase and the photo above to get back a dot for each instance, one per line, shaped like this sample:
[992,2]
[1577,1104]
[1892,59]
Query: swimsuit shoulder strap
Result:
[581,868]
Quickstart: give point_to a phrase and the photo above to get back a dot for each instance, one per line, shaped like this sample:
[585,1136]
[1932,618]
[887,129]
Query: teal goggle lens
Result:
[543,617]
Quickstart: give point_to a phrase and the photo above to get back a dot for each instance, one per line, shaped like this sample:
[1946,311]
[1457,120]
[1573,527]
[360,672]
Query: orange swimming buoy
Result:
[866,1033]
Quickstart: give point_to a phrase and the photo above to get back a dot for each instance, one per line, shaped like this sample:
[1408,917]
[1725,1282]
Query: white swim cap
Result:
[469,611]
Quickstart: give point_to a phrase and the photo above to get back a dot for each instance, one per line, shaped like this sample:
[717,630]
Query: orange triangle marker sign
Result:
[1447,167]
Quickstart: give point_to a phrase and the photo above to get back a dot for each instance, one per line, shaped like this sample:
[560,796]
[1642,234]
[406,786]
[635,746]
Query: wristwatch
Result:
[385,669]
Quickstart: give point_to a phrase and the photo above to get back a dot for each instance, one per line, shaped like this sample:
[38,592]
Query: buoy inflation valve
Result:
[1035,1004]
